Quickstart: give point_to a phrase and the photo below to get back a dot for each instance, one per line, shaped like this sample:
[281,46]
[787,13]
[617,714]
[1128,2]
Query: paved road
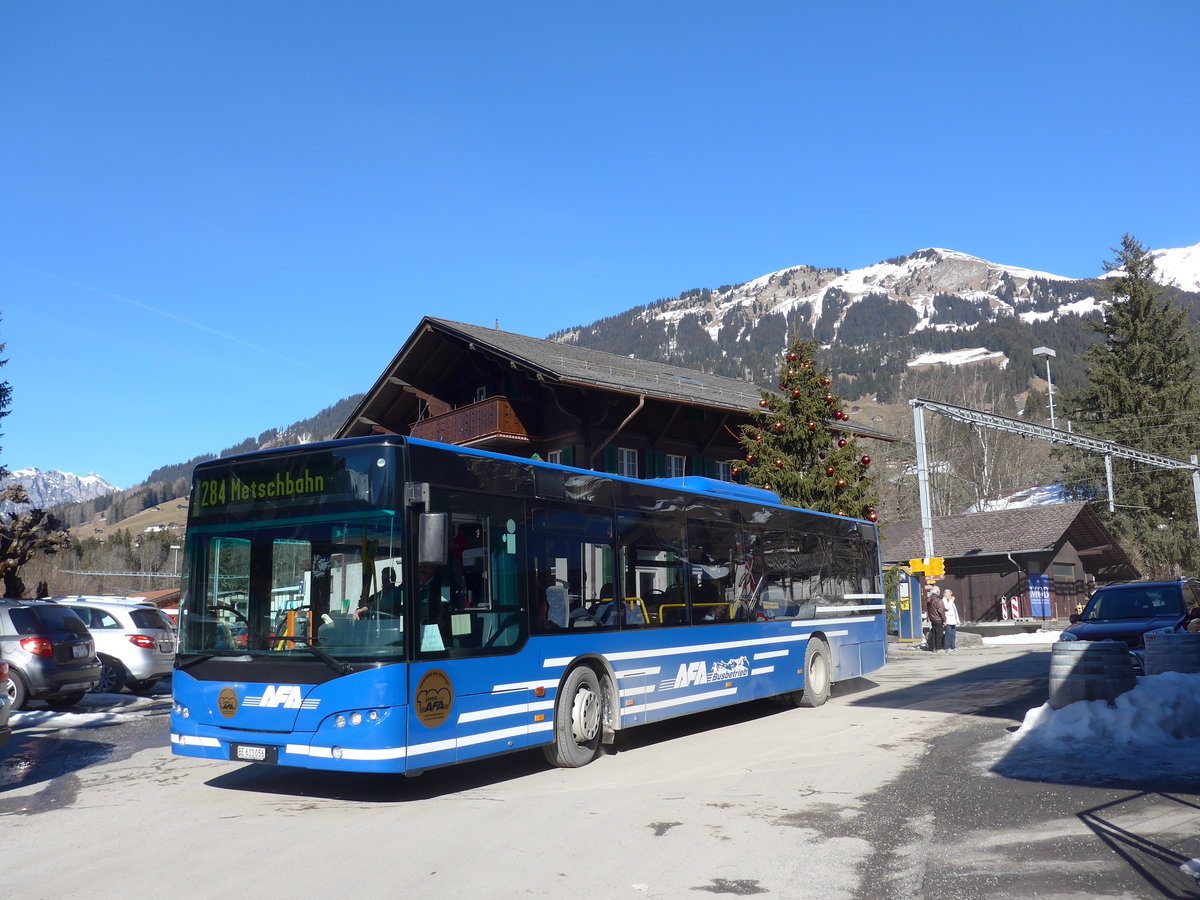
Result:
[887,791]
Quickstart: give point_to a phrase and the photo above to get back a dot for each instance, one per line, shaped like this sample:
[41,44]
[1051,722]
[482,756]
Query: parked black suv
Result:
[1125,612]
[50,653]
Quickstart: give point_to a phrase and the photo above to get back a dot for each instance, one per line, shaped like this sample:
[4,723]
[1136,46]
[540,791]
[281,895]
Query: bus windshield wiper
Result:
[338,665]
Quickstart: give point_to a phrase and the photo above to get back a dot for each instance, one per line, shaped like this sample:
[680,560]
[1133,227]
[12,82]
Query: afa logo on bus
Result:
[697,672]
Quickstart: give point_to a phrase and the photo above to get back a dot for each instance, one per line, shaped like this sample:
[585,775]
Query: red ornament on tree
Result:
[795,393]
[872,516]
[829,470]
[779,426]
[825,382]
[762,404]
[842,442]
[866,460]
[841,483]
[749,457]
[812,426]
[779,463]
[829,398]
[791,357]
[758,437]
[839,513]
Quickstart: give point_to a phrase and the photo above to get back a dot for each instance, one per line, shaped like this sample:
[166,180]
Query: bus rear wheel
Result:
[816,674]
[578,713]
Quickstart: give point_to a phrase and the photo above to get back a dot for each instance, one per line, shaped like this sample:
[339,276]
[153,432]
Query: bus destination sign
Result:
[311,481]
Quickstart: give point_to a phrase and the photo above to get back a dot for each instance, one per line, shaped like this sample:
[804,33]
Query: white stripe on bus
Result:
[678,701]
[498,711]
[771,654]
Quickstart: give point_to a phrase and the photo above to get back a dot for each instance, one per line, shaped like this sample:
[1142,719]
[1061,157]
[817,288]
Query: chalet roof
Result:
[1024,530]
[568,365]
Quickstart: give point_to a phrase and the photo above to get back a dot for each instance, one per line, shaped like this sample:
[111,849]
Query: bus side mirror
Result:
[433,539]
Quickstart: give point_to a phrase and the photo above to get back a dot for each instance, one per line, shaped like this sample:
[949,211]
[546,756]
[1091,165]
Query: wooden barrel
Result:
[1089,670]
[1172,651]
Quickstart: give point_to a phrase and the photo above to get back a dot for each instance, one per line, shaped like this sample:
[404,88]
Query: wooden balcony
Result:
[493,422]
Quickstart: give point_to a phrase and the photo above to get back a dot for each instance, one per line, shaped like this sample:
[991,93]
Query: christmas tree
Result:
[792,449]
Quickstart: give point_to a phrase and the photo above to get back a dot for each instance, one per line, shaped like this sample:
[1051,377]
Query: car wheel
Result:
[112,676]
[65,701]
[144,686]
[17,692]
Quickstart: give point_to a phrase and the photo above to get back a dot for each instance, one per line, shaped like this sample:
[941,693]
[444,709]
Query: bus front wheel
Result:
[577,717]
[816,674]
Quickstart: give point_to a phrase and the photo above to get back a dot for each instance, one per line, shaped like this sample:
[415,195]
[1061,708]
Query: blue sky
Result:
[218,218]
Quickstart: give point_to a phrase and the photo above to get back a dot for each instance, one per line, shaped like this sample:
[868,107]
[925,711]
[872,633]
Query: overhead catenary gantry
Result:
[968,416]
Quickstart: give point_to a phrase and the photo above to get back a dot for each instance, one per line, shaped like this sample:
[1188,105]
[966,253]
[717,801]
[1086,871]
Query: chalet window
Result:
[481,393]
[724,471]
[627,462]
[1063,570]
[554,456]
[676,465]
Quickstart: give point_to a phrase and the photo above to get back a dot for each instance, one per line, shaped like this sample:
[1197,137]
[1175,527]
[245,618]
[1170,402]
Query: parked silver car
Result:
[8,692]
[136,642]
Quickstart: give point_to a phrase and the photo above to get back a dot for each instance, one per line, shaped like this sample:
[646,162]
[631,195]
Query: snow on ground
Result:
[93,711]
[1033,637]
[960,357]
[1042,495]
[1149,736]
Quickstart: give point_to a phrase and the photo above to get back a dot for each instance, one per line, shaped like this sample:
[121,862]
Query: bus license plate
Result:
[253,753]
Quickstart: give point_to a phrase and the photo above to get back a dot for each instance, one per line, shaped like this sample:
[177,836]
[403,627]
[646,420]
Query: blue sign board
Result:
[1039,596]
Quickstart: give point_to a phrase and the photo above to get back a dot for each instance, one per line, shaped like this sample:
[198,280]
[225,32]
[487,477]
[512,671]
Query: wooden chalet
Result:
[482,387]
[1048,557]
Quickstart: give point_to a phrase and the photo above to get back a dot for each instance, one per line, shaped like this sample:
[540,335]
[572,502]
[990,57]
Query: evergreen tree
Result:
[792,450]
[1142,391]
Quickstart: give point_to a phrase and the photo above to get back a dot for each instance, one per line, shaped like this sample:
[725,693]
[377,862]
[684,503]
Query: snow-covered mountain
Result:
[47,489]
[877,324]
[1179,267]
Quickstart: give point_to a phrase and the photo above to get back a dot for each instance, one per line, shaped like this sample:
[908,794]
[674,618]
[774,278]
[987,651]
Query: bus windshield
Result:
[283,588]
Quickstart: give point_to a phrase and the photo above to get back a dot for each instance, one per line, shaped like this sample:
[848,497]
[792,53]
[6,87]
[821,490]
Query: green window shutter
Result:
[656,464]
[610,459]
[568,455]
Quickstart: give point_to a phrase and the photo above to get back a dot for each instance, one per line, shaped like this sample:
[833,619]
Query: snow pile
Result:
[1030,637]
[1161,709]
[1149,734]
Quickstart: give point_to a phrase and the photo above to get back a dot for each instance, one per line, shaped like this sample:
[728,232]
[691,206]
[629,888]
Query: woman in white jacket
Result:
[952,620]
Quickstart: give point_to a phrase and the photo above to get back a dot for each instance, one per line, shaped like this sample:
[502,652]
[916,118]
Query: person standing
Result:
[952,620]
[936,610]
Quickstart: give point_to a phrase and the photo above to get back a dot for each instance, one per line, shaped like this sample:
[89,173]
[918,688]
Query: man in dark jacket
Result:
[936,610]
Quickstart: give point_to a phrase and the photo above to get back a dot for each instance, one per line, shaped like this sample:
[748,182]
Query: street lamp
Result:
[175,547]
[1049,355]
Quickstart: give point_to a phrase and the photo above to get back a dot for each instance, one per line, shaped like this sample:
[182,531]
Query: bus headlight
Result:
[182,711]
[340,721]
[355,718]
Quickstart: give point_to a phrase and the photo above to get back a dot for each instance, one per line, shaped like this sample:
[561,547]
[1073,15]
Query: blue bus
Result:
[387,604]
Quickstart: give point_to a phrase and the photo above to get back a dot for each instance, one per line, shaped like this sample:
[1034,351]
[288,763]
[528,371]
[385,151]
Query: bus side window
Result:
[571,571]
[654,568]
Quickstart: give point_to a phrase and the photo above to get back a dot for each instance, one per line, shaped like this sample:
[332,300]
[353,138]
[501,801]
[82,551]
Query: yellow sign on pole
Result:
[931,566]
